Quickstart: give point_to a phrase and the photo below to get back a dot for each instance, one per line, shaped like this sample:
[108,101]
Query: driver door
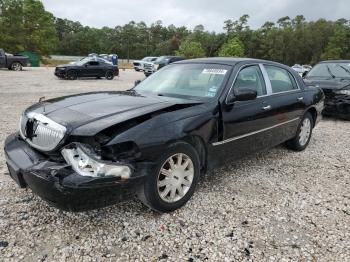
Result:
[247,124]
[93,68]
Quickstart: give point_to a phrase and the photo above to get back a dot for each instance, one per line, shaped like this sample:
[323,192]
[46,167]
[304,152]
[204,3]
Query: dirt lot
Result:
[276,205]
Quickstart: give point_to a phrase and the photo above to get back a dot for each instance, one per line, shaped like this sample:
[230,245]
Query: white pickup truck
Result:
[139,64]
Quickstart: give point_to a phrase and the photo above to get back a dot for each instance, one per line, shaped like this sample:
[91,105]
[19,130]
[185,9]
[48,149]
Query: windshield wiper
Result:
[345,69]
[330,72]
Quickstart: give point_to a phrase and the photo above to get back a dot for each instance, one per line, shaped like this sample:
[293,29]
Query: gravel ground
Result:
[276,205]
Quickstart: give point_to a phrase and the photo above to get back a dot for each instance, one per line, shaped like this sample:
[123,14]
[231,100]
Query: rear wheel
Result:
[173,181]
[72,75]
[303,136]
[109,75]
[16,66]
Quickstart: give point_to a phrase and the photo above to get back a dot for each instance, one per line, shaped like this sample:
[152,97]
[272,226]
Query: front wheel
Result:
[303,136]
[72,75]
[16,66]
[109,75]
[172,183]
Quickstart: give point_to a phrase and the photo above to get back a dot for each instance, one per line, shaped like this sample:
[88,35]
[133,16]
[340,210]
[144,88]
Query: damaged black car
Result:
[334,79]
[154,141]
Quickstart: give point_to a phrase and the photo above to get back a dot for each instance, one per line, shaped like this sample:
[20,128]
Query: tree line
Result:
[26,25]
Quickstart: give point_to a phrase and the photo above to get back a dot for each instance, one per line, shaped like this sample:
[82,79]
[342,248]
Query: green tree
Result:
[25,25]
[233,47]
[338,45]
[189,49]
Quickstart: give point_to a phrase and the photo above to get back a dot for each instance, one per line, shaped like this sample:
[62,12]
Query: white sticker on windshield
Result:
[214,71]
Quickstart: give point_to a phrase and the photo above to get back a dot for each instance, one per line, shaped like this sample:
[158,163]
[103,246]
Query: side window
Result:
[252,78]
[281,80]
[93,63]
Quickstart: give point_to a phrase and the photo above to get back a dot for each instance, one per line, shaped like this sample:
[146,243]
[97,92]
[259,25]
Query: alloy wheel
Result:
[305,131]
[16,66]
[175,178]
[109,75]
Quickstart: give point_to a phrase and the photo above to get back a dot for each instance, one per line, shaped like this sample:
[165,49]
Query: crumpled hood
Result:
[108,108]
[327,84]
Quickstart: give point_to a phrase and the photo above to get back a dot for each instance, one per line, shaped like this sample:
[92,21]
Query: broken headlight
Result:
[87,165]
[343,92]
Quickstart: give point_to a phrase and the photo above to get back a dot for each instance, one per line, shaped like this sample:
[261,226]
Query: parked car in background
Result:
[139,64]
[87,67]
[301,69]
[150,68]
[334,79]
[90,150]
[13,62]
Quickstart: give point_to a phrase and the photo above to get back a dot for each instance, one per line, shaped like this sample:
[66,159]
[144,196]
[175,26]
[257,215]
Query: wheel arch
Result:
[16,61]
[198,143]
[313,113]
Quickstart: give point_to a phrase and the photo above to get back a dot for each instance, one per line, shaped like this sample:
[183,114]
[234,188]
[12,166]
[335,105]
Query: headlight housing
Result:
[87,165]
[343,92]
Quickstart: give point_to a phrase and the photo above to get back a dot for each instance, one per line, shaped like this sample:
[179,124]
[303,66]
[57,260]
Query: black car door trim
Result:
[253,133]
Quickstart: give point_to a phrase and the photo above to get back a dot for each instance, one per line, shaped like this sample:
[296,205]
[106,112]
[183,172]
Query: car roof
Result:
[335,61]
[226,61]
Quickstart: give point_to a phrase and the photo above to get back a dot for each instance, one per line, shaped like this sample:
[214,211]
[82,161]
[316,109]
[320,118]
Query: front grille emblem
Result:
[31,127]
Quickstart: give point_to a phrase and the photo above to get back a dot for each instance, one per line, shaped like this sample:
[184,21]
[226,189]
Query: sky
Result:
[189,13]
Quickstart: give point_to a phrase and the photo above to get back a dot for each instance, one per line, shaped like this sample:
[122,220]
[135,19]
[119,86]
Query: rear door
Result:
[286,102]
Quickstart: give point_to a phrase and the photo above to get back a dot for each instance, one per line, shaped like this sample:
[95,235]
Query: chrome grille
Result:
[41,132]
[148,66]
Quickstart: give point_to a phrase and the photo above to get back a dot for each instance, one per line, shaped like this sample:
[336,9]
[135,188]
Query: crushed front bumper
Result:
[59,185]
[337,106]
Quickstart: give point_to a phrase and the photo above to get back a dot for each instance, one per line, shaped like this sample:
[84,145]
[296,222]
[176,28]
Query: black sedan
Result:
[334,78]
[155,140]
[87,67]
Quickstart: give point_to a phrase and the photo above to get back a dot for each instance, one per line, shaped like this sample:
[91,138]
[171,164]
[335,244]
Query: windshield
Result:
[192,81]
[83,61]
[330,70]
[161,60]
[148,59]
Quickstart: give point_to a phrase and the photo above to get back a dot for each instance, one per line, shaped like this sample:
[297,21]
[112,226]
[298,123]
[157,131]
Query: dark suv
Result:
[150,68]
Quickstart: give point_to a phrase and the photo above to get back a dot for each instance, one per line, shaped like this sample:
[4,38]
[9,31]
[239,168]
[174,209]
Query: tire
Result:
[109,75]
[72,75]
[303,136]
[163,196]
[16,66]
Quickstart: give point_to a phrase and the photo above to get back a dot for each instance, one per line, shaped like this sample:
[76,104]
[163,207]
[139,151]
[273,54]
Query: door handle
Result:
[266,107]
[300,98]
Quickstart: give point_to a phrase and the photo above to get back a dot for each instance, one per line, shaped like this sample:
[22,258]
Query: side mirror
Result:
[242,94]
[137,82]
[305,74]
